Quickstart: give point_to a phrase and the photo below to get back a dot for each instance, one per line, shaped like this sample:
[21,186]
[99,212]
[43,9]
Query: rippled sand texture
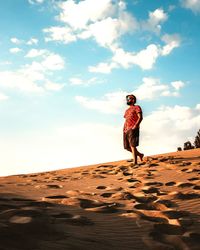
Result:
[153,205]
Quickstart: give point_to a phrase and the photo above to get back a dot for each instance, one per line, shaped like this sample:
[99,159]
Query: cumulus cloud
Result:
[53,86]
[33,77]
[110,103]
[16,40]
[172,42]
[156,18]
[104,68]
[169,127]
[61,34]
[145,58]
[53,62]
[104,21]
[76,81]
[150,88]
[36,52]
[78,15]
[17,80]
[32,41]
[15,50]
[193,5]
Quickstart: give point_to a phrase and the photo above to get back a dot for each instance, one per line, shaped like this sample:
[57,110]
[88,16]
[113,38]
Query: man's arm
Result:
[140,118]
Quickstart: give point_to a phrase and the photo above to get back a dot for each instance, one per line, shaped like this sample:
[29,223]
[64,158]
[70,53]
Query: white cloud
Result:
[16,40]
[33,78]
[53,86]
[78,15]
[178,84]
[111,103]
[62,34]
[169,127]
[156,18]
[15,50]
[152,88]
[193,5]
[53,62]
[145,58]
[104,68]
[104,21]
[78,81]
[3,97]
[32,41]
[172,42]
[106,32]
[17,80]
[36,52]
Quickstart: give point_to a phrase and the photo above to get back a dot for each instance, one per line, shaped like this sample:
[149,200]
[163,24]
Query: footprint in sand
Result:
[107,195]
[133,180]
[175,214]
[154,183]
[141,198]
[169,229]
[53,186]
[185,184]
[153,216]
[187,196]
[150,190]
[194,179]
[170,183]
[192,236]
[101,187]
[196,187]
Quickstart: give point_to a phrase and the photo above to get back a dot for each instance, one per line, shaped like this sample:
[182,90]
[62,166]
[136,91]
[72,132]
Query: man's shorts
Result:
[131,139]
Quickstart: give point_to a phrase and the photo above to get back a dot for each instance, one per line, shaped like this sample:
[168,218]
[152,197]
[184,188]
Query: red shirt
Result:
[131,117]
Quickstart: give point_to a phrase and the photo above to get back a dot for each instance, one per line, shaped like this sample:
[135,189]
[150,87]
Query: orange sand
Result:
[154,205]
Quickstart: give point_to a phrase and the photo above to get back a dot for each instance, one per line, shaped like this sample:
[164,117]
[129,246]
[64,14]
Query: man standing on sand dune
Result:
[133,117]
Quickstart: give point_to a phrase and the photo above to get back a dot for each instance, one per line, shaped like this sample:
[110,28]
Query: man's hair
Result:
[133,96]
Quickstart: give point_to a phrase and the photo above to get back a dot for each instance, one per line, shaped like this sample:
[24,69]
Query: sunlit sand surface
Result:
[153,205]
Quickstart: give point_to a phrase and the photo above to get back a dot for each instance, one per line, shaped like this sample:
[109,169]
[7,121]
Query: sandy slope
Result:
[155,205]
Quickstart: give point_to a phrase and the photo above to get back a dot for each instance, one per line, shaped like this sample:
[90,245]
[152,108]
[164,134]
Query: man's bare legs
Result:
[135,154]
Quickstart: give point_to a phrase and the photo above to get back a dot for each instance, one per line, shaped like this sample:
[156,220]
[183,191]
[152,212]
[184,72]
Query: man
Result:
[133,117]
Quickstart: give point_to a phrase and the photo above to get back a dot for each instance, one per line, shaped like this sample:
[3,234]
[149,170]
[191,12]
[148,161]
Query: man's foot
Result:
[141,157]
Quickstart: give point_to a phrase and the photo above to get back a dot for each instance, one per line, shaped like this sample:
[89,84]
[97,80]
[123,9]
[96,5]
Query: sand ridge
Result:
[153,205]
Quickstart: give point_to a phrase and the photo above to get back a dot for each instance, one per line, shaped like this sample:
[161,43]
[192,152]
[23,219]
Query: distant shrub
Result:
[197,140]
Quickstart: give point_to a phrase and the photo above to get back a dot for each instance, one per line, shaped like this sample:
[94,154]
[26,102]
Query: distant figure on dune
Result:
[133,117]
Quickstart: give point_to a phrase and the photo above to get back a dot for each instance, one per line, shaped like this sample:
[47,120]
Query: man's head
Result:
[130,99]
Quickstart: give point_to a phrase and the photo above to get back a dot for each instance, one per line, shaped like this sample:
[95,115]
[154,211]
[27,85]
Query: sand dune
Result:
[154,205]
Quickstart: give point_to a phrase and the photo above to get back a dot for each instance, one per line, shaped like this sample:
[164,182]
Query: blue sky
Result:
[66,67]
